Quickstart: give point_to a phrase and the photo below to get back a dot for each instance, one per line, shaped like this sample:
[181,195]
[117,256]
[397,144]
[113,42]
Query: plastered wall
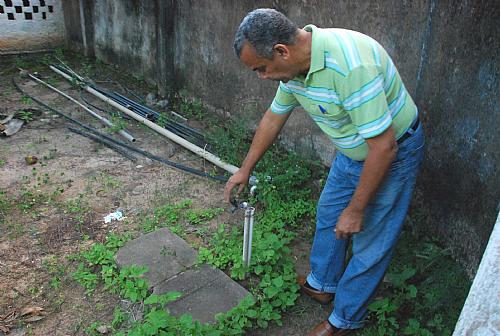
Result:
[30,25]
[446,52]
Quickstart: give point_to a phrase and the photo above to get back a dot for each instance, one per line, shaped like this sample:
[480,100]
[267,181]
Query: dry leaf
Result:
[31,311]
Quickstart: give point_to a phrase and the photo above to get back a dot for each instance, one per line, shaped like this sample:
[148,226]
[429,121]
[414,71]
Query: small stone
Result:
[151,98]
[103,329]
[162,103]
[138,166]
[31,159]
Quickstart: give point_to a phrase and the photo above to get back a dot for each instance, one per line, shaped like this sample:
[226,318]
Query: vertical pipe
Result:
[245,236]
[250,236]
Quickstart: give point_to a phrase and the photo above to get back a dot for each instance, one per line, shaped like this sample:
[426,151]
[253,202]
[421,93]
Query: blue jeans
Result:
[373,247]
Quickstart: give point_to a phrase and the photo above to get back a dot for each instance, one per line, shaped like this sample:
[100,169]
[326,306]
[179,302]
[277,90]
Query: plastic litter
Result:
[117,215]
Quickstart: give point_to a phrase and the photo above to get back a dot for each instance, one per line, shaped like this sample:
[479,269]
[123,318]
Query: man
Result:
[349,86]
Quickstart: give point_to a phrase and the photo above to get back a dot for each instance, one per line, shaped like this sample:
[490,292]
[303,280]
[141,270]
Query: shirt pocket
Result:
[330,115]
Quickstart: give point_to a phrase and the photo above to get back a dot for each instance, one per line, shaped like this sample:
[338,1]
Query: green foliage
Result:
[21,63]
[130,284]
[165,216]
[423,294]
[118,124]
[177,216]
[100,257]
[26,100]
[5,206]
[119,317]
[190,108]
[86,278]
[25,115]
[77,209]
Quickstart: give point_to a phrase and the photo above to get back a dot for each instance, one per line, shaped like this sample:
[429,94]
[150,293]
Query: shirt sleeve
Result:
[284,101]
[363,98]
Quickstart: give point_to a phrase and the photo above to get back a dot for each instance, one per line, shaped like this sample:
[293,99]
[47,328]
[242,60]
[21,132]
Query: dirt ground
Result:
[57,207]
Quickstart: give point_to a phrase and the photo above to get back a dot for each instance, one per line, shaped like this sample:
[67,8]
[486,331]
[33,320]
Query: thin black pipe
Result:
[105,142]
[157,115]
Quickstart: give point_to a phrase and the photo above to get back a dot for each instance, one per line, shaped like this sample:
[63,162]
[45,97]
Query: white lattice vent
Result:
[12,10]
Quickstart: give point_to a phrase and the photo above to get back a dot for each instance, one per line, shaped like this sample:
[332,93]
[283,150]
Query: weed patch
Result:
[417,298]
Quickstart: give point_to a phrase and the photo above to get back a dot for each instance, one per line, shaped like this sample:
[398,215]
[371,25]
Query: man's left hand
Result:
[349,223]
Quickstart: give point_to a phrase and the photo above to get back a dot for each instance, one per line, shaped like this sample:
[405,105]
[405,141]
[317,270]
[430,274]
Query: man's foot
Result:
[326,329]
[321,297]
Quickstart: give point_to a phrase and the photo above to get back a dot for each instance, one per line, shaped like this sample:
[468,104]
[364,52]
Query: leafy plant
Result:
[26,100]
[25,115]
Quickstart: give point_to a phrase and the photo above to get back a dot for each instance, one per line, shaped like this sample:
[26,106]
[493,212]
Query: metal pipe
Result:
[105,121]
[174,137]
[248,235]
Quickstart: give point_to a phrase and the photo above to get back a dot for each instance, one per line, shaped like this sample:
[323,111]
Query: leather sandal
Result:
[326,329]
[321,297]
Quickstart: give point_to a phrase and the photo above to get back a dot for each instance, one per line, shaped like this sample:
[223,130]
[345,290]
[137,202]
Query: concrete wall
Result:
[30,25]
[481,312]
[446,53]
[122,32]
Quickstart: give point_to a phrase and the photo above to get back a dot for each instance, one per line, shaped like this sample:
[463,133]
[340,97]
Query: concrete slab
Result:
[206,291]
[164,253]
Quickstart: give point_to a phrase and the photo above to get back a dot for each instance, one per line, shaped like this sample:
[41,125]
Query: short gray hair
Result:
[263,28]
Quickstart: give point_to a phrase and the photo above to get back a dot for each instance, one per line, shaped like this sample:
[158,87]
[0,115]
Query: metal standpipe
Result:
[248,235]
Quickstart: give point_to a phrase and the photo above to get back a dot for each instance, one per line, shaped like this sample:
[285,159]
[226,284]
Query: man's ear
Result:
[282,50]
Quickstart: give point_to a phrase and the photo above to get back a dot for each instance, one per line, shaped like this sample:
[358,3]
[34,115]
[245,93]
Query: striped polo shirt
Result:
[352,91]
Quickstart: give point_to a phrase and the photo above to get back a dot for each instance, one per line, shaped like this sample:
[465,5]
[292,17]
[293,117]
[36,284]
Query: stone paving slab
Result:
[206,291]
[164,253]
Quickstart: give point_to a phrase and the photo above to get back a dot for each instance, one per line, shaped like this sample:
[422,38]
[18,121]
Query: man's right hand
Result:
[269,127]
[240,180]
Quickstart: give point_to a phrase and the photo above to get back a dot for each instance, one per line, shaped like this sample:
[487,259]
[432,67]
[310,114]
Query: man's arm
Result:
[269,128]
[382,152]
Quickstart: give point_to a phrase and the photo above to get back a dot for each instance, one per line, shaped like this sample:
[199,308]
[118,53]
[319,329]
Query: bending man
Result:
[350,87]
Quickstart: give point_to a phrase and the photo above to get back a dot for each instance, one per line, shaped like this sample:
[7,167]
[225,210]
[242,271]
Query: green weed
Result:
[25,115]
[26,100]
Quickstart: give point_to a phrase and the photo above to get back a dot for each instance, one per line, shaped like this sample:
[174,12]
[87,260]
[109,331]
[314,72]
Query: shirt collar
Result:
[317,49]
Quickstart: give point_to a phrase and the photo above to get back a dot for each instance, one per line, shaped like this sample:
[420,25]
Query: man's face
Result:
[277,69]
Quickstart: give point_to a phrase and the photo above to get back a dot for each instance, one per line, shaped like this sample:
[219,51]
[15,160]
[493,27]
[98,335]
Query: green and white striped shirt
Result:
[352,91]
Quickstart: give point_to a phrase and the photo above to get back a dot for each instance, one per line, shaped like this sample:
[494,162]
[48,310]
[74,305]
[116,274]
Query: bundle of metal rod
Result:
[181,130]
[120,143]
